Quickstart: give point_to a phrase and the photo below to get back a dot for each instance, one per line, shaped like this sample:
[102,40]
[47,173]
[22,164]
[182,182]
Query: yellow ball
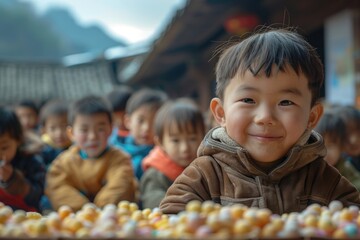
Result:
[269,231]
[124,204]
[33,215]
[64,211]
[242,227]
[263,217]
[237,211]
[207,207]
[339,234]
[193,206]
[311,221]
[346,215]
[133,207]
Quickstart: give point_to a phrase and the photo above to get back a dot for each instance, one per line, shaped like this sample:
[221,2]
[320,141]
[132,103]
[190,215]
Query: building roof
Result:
[197,30]
[46,81]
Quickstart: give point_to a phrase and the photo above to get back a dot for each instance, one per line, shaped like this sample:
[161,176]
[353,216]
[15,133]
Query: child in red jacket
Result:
[179,129]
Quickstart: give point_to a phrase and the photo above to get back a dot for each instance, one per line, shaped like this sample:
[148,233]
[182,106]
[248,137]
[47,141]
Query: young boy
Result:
[179,129]
[28,114]
[264,154]
[331,127]
[53,123]
[90,170]
[140,113]
[351,117]
[118,98]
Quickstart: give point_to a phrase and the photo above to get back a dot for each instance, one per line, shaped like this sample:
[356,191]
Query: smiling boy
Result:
[264,154]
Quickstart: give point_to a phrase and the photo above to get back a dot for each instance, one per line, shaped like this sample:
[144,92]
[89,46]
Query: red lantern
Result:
[239,24]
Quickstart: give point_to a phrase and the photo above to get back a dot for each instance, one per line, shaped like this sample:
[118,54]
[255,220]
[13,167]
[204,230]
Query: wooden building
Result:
[182,60]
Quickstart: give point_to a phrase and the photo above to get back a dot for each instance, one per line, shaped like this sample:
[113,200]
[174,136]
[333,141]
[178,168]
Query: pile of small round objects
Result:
[199,221]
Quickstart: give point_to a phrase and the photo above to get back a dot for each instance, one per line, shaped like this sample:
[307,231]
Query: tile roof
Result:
[42,81]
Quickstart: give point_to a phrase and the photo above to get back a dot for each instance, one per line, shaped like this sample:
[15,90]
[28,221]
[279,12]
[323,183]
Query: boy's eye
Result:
[101,129]
[4,148]
[174,140]
[193,139]
[286,103]
[140,120]
[247,100]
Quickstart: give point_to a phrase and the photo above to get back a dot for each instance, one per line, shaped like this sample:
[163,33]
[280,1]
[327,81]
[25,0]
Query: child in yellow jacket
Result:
[90,170]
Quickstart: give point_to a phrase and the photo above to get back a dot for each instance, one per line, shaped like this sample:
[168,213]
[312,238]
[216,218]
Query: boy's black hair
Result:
[119,96]
[332,126]
[28,103]
[53,108]
[184,113]
[261,51]
[9,123]
[146,97]
[90,105]
[349,114]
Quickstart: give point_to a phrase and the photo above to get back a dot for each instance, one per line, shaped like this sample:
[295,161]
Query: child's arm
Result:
[119,180]
[60,187]
[153,187]
[192,184]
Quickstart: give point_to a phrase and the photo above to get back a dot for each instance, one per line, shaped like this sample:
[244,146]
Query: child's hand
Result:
[6,170]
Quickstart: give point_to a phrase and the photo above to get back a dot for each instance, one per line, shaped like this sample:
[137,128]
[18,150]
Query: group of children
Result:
[143,147]
[93,151]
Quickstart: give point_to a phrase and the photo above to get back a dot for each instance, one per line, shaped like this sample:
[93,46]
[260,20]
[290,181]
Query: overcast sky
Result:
[132,20]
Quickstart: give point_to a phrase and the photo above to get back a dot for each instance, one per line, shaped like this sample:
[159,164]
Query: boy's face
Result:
[91,133]
[8,147]
[27,116]
[264,115]
[352,147]
[333,150]
[140,125]
[119,120]
[181,146]
[55,127]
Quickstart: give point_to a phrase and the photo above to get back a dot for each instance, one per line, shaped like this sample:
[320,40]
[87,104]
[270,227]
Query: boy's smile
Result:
[267,116]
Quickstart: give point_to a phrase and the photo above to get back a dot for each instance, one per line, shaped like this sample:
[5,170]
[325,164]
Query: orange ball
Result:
[64,211]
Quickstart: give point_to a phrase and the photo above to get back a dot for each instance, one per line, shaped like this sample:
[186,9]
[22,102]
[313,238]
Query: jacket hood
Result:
[231,155]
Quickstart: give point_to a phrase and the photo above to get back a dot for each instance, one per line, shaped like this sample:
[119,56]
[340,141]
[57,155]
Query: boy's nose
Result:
[146,127]
[92,134]
[265,116]
[184,146]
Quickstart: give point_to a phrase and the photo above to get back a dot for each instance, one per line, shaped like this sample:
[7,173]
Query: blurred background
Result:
[67,49]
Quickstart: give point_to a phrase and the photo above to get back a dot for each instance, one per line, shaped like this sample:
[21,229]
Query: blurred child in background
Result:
[331,127]
[53,123]
[90,170]
[28,114]
[118,99]
[22,174]
[140,113]
[351,118]
[179,130]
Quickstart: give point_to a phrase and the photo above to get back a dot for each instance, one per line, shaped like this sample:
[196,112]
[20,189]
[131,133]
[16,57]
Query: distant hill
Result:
[78,39]
[27,36]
